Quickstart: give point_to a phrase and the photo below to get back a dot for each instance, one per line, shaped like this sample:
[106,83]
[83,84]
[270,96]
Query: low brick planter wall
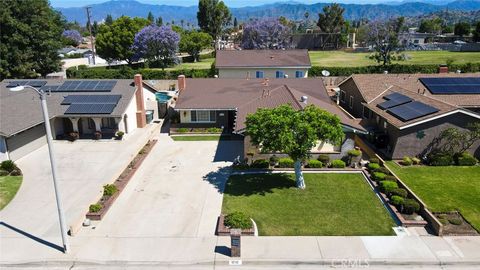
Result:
[222,230]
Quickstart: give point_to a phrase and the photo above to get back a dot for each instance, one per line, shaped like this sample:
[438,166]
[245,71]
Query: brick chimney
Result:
[182,82]
[141,118]
[443,69]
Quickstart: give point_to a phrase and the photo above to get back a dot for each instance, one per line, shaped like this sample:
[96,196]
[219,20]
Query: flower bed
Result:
[223,230]
[454,223]
[111,192]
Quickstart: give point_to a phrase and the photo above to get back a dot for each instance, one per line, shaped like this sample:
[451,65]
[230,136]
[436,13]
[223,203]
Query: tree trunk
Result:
[299,174]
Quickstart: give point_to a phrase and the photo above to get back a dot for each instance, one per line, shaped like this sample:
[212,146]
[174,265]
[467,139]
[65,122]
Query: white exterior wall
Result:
[150,102]
[324,147]
[131,113]
[3,149]
[267,72]
[185,116]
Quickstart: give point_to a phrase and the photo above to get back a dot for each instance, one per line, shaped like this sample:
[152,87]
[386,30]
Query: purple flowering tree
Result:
[72,37]
[157,45]
[265,34]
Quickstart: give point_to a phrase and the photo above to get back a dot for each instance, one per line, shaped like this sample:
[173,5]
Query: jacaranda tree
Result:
[295,133]
[265,34]
[157,45]
[72,37]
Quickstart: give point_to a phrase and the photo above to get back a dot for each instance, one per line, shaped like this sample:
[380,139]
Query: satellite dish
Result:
[325,73]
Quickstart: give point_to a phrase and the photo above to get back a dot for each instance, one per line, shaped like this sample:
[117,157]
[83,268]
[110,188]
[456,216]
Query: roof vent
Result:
[385,72]
[304,99]
[285,76]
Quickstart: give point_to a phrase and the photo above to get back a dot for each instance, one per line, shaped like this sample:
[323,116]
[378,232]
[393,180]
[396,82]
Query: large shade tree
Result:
[31,35]
[265,34]
[156,44]
[383,36]
[194,42]
[292,132]
[213,16]
[331,19]
[114,42]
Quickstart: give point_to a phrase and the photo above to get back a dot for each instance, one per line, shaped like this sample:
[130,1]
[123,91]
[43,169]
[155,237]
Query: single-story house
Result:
[262,64]
[81,106]
[72,51]
[405,113]
[225,103]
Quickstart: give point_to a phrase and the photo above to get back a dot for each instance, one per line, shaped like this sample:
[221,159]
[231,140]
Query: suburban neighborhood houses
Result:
[328,137]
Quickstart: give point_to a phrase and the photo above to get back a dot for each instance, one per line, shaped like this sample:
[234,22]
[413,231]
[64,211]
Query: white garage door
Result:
[26,141]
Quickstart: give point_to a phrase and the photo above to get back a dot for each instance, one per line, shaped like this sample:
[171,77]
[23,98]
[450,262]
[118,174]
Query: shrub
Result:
[337,163]
[397,200]
[94,208]
[109,190]
[313,163]
[465,159]
[416,161]
[374,160]
[455,221]
[237,220]
[73,136]
[260,164]
[120,134]
[273,160]
[182,130]
[354,153]
[440,159]
[443,221]
[407,161]
[378,176]
[16,172]
[286,163]
[410,206]
[373,166]
[401,192]
[3,173]
[388,186]
[214,130]
[325,159]
[8,165]
[382,170]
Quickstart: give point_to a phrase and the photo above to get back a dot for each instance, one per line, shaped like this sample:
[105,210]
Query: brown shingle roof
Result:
[262,58]
[372,85]
[246,96]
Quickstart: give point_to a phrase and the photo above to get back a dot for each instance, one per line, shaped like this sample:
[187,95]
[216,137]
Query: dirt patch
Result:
[454,224]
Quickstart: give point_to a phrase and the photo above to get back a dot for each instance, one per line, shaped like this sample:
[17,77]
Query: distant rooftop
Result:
[262,58]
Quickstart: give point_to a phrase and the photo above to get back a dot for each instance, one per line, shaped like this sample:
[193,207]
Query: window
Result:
[366,112]
[108,123]
[343,96]
[202,116]
[350,104]
[298,74]
[259,74]
[279,74]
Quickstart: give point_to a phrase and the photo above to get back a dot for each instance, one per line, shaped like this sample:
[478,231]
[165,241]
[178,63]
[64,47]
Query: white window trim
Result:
[363,112]
[196,115]
[299,72]
[350,102]
[279,72]
[259,72]
[344,94]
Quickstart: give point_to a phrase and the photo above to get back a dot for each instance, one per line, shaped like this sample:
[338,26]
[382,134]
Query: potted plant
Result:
[119,135]
[73,136]
[97,135]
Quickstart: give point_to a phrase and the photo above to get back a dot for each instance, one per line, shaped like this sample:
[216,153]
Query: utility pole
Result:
[91,36]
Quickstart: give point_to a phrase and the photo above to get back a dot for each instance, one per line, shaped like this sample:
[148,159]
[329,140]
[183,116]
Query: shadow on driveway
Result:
[228,149]
[218,178]
[33,237]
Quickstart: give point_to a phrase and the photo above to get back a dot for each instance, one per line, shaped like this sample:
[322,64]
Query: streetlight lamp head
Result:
[17,88]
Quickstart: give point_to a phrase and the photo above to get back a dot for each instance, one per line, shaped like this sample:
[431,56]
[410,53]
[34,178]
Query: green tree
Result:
[109,20]
[462,29]
[433,26]
[331,20]
[159,21]
[383,36]
[194,42]
[235,23]
[292,132]
[213,16]
[31,35]
[150,17]
[476,32]
[114,42]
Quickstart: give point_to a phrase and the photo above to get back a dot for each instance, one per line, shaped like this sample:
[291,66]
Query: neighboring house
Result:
[414,38]
[83,106]
[73,51]
[262,63]
[225,103]
[406,124]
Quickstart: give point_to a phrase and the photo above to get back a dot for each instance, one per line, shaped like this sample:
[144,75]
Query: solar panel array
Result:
[82,86]
[393,100]
[82,108]
[412,110]
[91,99]
[452,86]
[33,83]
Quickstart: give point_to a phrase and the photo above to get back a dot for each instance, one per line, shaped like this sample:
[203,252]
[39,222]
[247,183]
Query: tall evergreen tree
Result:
[150,17]
[159,21]
[213,16]
[331,20]
[109,20]
[31,35]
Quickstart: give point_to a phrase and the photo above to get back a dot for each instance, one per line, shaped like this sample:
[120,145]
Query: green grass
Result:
[332,204]
[9,186]
[203,64]
[445,188]
[347,59]
[197,138]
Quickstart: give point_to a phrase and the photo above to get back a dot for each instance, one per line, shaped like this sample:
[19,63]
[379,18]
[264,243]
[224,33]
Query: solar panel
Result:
[33,83]
[86,86]
[78,108]
[452,86]
[393,100]
[412,110]
[91,99]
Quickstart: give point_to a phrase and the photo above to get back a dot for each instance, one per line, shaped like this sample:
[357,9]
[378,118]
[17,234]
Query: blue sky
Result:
[230,3]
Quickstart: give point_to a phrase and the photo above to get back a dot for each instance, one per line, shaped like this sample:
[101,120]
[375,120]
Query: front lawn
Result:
[9,186]
[332,204]
[197,138]
[447,188]
[203,64]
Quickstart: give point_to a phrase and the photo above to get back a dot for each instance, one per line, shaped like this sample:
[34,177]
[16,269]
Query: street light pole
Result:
[61,216]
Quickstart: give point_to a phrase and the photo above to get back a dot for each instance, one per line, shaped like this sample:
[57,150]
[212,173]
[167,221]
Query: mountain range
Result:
[290,10]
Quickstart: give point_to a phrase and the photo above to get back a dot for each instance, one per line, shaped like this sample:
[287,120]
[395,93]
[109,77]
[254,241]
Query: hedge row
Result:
[316,71]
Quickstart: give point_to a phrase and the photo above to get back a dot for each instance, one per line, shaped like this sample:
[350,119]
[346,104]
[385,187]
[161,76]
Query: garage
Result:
[24,142]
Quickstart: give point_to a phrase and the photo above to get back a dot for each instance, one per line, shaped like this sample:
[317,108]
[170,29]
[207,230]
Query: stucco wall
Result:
[130,112]
[268,72]
[150,102]
[3,149]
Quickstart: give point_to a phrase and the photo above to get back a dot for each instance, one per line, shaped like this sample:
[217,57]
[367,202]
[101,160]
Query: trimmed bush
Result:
[378,176]
[8,165]
[416,161]
[3,173]
[260,164]
[410,206]
[286,163]
[397,200]
[388,186]
[337,163]
[391,178]
[273,160]
[407,161]
[382,170]
[237,220]
[455,221]
[401,192]
[440,159]
[214,130]
[465,159]
[94,208]
[325,159]
[354,153]
[109,190]
[374,160]
[16,172]
[182,130]
[373,166]
[313,163]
